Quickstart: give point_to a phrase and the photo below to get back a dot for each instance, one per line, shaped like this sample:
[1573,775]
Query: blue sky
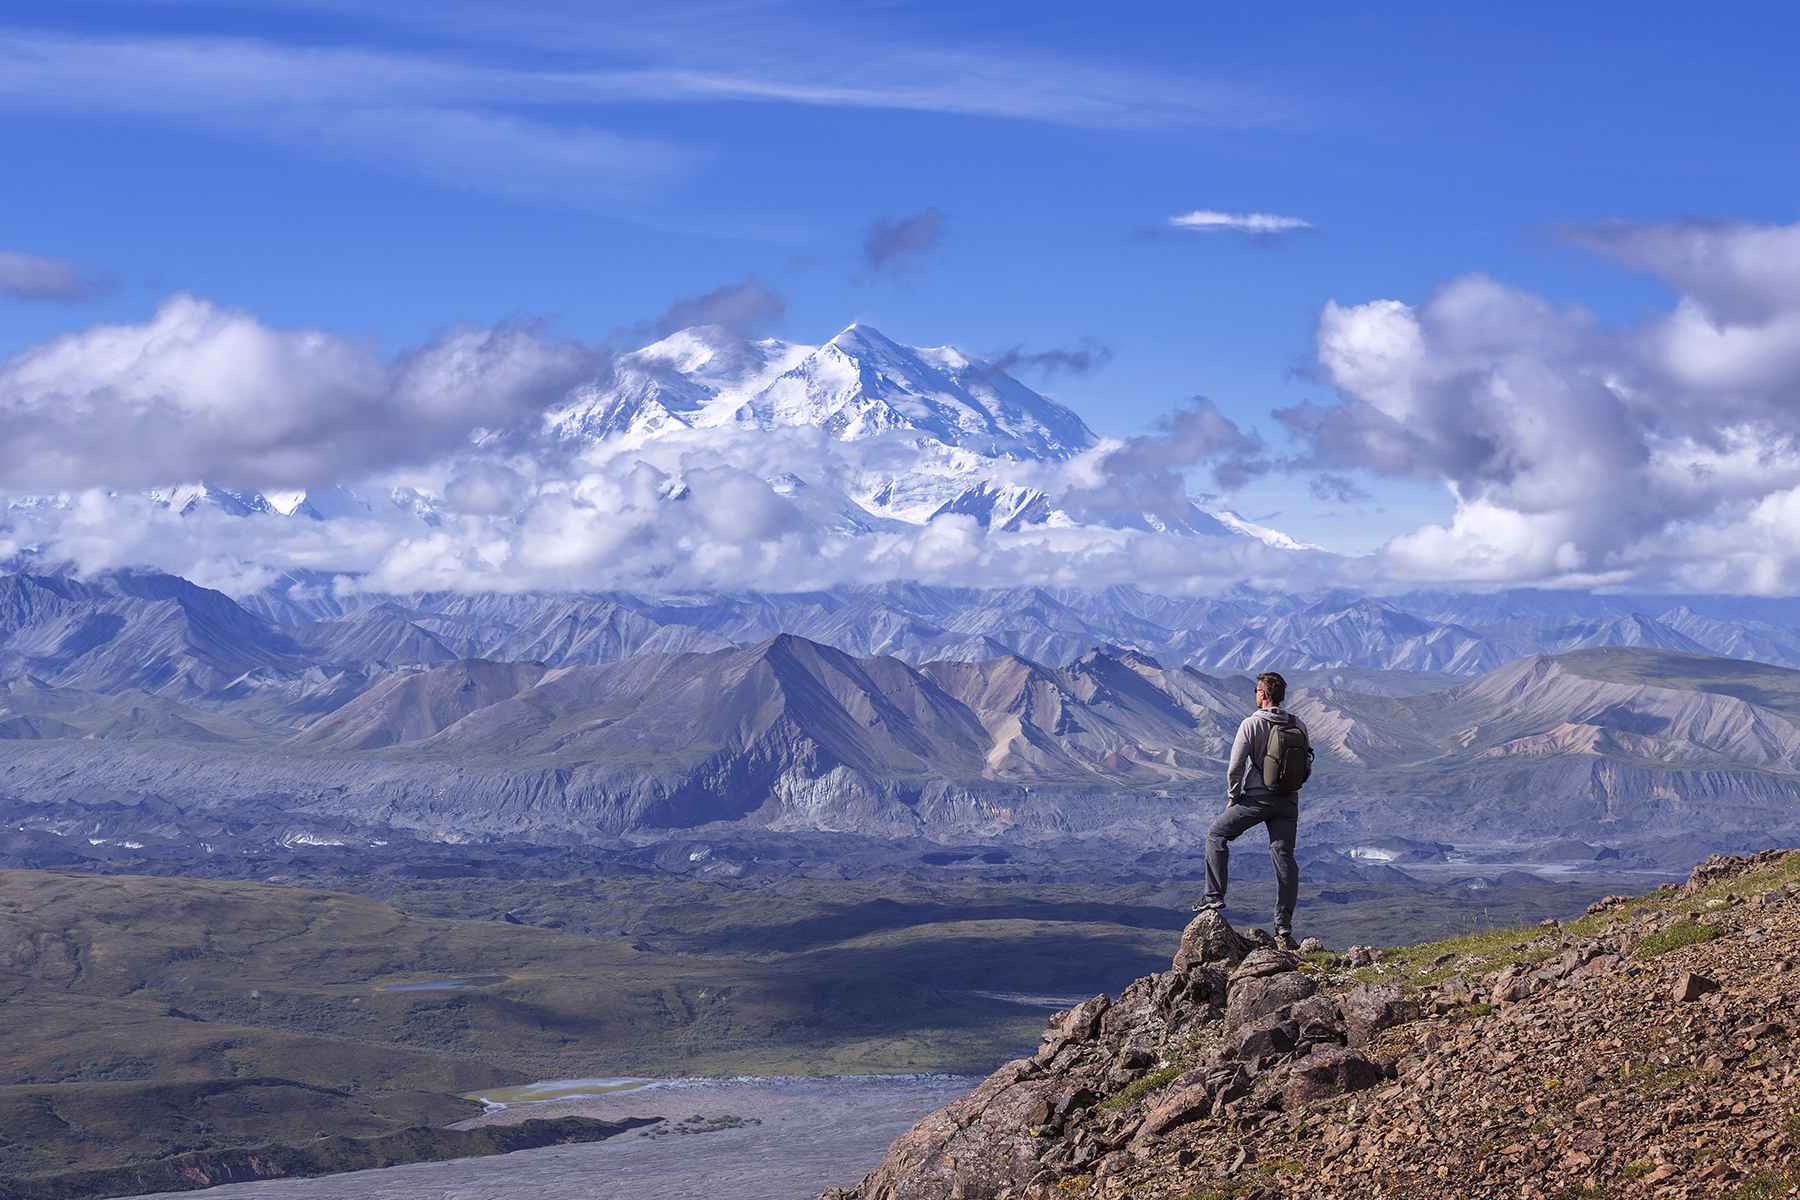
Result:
[385,170]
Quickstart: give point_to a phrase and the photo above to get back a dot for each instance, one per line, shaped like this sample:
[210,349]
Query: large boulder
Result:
[1368,1010]
[1078,1024]
[1269,1036]
[1264,961]
[1209,940]
[1178,1106]
[1318,1019]
[1261,995]
[1328,1071]
[1690,987]
[1517,982]
[1194,1095]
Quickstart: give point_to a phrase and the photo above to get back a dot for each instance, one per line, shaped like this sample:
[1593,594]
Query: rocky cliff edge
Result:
[1645,1049]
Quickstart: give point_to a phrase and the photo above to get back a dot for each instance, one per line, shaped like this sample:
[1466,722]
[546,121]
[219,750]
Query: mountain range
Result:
[141,706]
[1240,630]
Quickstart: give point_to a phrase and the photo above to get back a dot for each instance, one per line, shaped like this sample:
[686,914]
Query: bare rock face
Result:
[1264,962]
[976,1146]
[1193,1096]
[1185,1103]
[1319,1020]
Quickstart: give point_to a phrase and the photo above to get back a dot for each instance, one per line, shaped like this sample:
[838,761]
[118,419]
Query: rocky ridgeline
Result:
[1644,1049]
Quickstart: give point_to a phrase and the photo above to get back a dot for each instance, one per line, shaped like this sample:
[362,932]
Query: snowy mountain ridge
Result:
[910,435]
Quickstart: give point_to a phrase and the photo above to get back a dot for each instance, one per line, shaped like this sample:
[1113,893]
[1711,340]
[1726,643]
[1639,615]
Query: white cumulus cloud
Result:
[204,392]
[1656,454]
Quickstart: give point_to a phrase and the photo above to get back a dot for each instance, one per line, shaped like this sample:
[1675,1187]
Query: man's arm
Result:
[1240,759]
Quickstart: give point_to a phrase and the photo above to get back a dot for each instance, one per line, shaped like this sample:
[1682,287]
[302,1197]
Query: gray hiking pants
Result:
[1282,816]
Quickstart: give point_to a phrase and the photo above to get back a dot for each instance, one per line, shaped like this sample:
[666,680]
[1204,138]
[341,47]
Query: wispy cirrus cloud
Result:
[1256,224]
[883,58]
[36,277]
[456,123]
[489,108]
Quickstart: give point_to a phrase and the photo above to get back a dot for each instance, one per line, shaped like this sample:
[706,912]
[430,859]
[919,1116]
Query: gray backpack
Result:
[1287,762]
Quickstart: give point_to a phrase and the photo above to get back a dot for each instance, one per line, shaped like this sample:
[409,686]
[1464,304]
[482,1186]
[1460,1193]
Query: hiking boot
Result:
[1212,906]
[1284,940]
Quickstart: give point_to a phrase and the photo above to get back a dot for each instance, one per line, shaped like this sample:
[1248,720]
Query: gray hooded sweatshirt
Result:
[1243,776]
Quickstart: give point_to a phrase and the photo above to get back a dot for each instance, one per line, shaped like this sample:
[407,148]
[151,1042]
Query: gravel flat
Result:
[798,1137]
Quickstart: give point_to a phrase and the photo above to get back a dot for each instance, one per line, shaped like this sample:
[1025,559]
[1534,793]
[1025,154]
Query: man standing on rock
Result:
[1270,759]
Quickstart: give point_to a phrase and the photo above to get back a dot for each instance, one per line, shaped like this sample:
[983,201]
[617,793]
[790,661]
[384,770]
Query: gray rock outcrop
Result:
[1233,1027]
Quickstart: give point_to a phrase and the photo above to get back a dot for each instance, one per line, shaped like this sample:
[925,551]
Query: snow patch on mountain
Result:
[1262,533]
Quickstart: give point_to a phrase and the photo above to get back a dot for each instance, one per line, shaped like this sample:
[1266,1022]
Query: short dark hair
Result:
[1273,684]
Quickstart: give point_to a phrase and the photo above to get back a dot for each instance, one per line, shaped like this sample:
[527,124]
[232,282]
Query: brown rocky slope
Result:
[1644,1050]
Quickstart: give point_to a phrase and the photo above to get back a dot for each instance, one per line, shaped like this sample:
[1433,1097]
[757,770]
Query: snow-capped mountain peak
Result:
[191,497]
[862,383]
[321,504]
[717,359]
[926,433]
[977,434]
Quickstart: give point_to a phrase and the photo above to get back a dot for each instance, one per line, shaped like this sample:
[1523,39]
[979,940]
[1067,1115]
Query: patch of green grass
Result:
[1667,1078]
[1764,1185]
[1771,877]
[1131,1093]
[1268,1171]
[1685,932]
[1478,954]
[1481,1008]
[1636,1169]
[1473,954]
[1217,1191]
[1075,1185]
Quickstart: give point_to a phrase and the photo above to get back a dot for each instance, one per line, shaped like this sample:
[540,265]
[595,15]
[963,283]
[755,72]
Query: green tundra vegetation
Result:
[145,1017]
